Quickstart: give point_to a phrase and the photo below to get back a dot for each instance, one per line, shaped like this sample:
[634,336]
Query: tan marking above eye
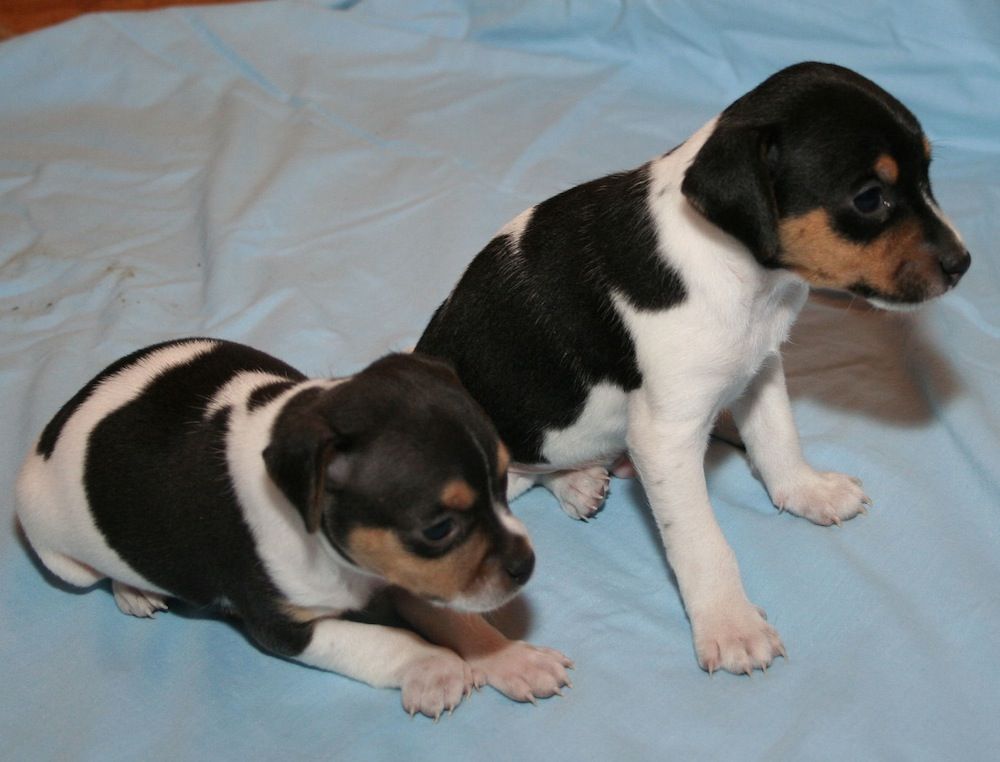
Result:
[814,250]
[887,169]
[381,551]
[458,495]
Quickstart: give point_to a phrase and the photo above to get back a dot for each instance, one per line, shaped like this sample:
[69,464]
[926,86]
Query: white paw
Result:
[823,497]
[435,683]
[135,602]
[580,493]
[736,638]
[523,672]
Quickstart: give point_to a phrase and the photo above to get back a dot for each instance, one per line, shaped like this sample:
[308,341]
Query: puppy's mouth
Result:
[501,578]
[913,285]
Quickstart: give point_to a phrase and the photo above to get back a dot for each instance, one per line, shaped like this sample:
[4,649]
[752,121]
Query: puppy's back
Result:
[133,468]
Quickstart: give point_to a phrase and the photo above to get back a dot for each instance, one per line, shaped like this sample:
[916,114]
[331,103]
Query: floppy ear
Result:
[296,461]
[729,183]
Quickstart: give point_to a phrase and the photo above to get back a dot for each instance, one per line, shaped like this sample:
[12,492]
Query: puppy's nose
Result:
[520,567]
[955,265]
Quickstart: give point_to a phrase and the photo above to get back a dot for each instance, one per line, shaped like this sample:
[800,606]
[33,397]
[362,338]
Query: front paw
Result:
[435,683]
[736,638]
[823,497]
[523,672]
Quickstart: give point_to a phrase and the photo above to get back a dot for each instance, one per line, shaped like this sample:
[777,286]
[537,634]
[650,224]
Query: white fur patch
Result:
[516,227]
[510,522]
[597,434]
[237,391]
[944,219]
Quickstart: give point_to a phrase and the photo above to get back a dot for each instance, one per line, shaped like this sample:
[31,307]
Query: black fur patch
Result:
[264,394]
[160,492]
[50,435]
[157,481]
[531,326]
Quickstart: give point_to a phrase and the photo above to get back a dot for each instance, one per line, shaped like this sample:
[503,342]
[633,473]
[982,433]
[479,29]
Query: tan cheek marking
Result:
[815,251]
[380,551]
[887,169]
[458,495]
[503,458]
[927,147]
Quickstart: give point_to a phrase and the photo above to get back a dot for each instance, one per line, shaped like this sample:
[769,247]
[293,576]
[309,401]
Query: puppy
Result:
[211,472]
[624,314]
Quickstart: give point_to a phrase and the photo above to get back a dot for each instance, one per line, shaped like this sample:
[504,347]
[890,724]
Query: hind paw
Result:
[580,493]
[136,602]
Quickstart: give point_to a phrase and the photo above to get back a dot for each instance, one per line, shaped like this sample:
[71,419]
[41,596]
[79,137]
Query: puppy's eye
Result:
[870,200]
[440,531]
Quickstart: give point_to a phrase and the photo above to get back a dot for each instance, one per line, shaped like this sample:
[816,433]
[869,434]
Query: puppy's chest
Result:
[694,358]
[759,323]
[709,348]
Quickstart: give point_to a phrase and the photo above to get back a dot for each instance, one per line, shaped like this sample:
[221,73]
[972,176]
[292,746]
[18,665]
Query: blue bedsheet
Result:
[312,180]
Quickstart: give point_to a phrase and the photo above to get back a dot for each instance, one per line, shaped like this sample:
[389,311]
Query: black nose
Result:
[955,265]
[520,567]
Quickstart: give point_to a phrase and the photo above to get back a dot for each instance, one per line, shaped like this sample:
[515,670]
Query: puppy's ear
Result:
[303,459]
[730,184]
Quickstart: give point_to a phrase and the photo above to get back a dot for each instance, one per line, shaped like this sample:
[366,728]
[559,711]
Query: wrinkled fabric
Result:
[313,179]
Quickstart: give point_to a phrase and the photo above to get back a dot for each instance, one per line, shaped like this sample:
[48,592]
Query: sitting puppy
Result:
[214,473]
[626,313]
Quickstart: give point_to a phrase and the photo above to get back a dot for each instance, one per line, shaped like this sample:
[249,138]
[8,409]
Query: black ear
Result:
[729,183]
[300,459]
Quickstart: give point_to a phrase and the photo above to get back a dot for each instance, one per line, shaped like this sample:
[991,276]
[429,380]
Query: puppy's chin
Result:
[909,302]
[884,304]
[912,294]
[487,598]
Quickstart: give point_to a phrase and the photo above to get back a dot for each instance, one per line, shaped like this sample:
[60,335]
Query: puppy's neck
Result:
[712,264]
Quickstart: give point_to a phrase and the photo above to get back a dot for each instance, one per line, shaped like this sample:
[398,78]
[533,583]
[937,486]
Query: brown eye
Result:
[870,200]
[440,531]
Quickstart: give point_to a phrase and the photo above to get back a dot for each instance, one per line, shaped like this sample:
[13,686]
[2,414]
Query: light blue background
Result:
[312,180]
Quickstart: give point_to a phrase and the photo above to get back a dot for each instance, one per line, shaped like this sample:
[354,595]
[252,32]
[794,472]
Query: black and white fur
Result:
[211,472]
[625,314]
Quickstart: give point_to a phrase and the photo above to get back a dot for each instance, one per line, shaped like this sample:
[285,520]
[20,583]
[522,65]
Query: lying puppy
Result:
[626,313]
[214,473]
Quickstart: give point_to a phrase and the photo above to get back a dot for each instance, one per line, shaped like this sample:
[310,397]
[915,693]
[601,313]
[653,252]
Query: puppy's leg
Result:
[519,482]
[517,669]
[729,632]
[432,679]
[764,417]
[69,569]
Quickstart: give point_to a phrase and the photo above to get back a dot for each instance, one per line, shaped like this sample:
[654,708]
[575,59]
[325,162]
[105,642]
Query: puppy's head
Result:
[820,171]
[405,475]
